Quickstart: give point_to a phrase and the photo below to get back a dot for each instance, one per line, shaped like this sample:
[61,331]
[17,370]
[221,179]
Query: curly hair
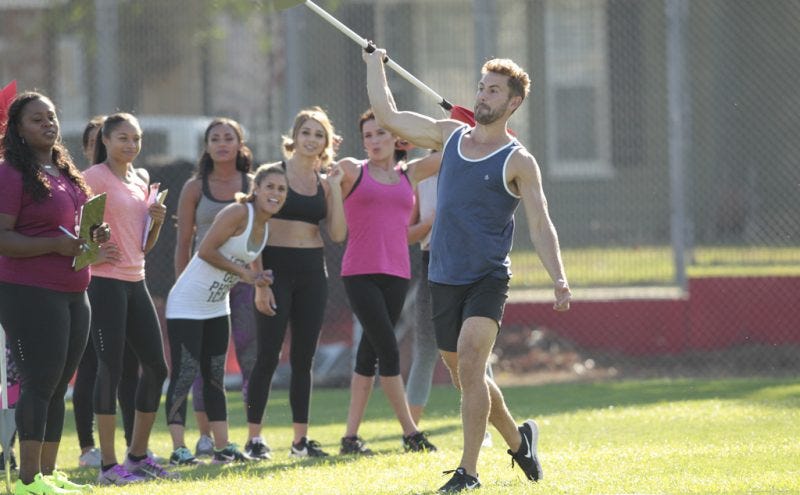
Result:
[244,157]
[18,154]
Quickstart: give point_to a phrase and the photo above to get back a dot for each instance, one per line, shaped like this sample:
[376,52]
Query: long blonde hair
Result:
[318,115]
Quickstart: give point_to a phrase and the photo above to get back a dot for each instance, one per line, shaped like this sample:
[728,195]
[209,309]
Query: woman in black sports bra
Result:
[294,253]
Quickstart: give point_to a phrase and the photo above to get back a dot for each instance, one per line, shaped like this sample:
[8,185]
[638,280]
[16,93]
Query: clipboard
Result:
[153,196]
[91,215]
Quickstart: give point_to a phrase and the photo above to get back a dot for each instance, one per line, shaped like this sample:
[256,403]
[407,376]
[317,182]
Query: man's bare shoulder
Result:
[522,161]
[447,127]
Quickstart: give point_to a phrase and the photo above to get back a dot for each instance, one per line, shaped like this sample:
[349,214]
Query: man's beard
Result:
[485,116]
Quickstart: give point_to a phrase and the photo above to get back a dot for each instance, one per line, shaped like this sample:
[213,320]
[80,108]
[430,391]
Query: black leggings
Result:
[377,301]
[301,291]
[123,314]
[83,394]
[197,346]
[47,331]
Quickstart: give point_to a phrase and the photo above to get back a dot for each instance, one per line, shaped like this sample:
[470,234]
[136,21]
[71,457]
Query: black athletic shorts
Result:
[452,304]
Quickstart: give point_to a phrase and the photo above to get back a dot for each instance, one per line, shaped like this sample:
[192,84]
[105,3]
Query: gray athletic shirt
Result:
[208,207]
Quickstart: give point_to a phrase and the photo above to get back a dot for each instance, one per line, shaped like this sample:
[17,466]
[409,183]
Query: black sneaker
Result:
[418,442]
[229,454]
[182,456]
[526,457]
[257,450]
[354,445]
[307,448]
[12,461]
[459,482]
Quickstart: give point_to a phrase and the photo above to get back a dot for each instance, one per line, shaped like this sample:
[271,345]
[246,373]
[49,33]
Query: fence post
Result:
[485,21]
[679,119]
[106,25]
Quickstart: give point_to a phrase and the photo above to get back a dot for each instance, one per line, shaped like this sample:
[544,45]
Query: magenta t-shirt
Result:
[41,219]
[377,223]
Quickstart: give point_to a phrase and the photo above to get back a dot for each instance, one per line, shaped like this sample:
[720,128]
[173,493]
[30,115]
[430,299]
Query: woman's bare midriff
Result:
[294,234]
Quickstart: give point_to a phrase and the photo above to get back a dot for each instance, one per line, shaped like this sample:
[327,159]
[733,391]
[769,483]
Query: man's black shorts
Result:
[452,304]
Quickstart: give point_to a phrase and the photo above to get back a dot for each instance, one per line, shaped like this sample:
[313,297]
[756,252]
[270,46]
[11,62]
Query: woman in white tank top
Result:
[198,305]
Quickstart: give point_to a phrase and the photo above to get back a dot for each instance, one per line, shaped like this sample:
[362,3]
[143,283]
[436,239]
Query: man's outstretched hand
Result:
[563,296]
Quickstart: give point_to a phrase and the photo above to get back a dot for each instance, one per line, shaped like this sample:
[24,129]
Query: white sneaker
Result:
[90,458]
[204,447]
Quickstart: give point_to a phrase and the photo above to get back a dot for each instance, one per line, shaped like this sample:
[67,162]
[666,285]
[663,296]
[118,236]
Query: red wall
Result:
[717,313]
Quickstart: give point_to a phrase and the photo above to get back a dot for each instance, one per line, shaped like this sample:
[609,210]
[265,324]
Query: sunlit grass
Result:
[654,265]
[655,436]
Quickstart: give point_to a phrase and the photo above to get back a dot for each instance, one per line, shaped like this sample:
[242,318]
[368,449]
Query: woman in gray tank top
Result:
[223,171]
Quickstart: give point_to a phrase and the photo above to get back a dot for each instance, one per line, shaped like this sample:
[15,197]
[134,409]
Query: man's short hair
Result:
[518,81]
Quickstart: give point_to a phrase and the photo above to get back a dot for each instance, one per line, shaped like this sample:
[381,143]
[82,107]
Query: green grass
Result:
[654,436]
[653,265]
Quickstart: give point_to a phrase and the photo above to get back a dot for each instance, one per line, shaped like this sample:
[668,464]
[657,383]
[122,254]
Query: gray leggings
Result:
[425,354]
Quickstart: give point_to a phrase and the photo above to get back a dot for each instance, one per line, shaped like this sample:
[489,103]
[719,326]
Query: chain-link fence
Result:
[666,132]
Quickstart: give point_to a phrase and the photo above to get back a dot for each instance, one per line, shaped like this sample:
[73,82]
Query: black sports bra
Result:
[302,208]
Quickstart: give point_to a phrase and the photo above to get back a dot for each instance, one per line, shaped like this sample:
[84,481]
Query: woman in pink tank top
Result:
[378,203]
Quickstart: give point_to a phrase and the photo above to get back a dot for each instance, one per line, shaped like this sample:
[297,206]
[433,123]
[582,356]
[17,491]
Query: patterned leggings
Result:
[197,346]
[243,332]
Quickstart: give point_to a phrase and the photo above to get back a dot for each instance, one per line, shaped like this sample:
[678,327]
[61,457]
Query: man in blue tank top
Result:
[484,174]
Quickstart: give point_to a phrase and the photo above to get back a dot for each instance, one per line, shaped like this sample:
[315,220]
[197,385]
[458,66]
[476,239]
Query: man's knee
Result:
[451,362]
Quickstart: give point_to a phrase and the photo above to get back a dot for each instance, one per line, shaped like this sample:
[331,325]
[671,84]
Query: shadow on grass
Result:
[432,432]
[330,405]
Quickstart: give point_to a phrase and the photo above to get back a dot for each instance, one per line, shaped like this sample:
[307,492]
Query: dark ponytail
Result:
[111,123]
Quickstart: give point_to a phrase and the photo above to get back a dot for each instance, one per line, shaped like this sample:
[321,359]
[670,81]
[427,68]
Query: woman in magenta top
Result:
[379,199]
[43,305]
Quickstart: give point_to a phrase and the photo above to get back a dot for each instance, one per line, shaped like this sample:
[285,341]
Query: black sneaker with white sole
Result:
[229,454]
[459,482]
[418,442]
[307,448]
[257,450]
[354,445]
[526,457]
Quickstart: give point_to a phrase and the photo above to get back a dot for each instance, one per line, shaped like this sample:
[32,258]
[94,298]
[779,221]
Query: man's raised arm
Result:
[421,130]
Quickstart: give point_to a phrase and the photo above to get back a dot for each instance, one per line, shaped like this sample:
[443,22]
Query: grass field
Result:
[653,265]
[655,436]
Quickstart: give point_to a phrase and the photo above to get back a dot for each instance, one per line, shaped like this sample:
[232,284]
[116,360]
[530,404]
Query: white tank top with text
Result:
[201,292]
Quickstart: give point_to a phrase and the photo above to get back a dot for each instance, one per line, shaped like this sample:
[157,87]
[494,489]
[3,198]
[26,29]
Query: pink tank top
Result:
[377,218]
[126,214]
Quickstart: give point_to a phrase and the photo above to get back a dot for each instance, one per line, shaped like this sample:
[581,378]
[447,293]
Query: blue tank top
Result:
[474,225]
